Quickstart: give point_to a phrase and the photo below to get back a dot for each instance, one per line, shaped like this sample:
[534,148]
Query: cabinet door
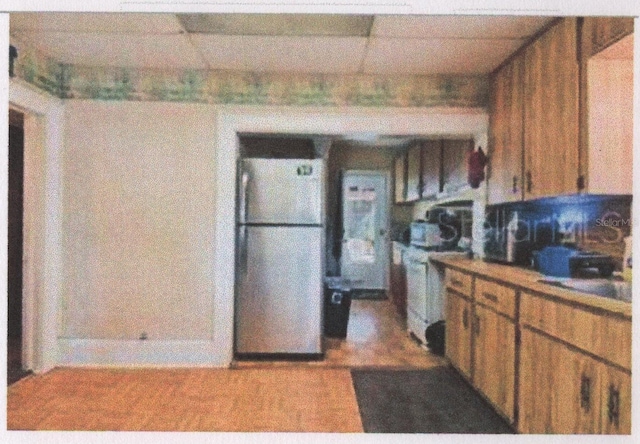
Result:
[494,358]
[551,113]
[458,332]
[431,150]
[413,173]
[506,134]
[400,178]
[559,390]
[616,401]
[454,164]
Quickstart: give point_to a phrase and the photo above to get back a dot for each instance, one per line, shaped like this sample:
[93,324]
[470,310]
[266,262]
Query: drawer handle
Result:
[492,297]
[613,406]
[456,283]
[465,318]
[585,393]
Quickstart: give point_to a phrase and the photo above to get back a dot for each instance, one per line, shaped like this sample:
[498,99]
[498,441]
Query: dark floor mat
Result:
[422,401]
[376,295]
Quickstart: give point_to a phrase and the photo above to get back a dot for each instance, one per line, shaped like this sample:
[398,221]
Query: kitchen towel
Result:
[477,160]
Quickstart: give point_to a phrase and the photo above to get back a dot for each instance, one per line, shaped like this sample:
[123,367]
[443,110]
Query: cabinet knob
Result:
[585,393]
[476,325]
[613,406]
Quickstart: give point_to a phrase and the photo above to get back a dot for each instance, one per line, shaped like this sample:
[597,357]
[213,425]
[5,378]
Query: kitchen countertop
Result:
[528,280]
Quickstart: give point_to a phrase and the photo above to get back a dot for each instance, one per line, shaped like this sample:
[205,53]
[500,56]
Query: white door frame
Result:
[321,121]
[42,226]
[387,228]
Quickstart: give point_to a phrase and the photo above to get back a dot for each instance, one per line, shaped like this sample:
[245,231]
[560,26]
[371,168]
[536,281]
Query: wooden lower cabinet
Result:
[565,391]
[546,364]
[494,359]
[458,332]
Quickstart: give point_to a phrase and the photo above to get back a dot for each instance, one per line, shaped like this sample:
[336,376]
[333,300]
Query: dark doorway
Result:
[14,259]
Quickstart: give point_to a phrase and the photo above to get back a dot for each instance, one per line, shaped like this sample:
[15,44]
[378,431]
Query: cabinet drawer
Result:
[603,335]
[499,297]
[459,281]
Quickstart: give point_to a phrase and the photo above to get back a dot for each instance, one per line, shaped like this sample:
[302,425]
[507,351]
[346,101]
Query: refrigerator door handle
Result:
[244,197]
[242,241]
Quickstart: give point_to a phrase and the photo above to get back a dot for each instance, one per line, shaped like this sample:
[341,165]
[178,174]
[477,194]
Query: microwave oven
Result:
[425,235]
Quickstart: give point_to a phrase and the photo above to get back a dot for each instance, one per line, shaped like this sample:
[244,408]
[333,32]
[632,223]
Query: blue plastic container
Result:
[554,261]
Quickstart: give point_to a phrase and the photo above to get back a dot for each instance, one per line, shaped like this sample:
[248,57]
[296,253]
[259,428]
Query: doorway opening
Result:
[364,261]
[15,208]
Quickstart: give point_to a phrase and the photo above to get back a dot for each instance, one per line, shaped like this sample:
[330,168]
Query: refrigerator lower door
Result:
[279,290]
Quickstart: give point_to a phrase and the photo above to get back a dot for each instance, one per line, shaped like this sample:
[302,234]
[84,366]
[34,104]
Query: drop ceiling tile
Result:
[117,50]
[117,23]
[445,26]
[282,54]
[278,24]
[436,56]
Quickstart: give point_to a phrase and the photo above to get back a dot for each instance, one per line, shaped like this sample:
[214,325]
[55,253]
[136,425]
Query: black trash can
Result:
[337,302]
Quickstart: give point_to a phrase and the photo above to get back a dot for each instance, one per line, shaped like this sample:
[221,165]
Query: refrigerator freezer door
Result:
[282,191]
[279,303]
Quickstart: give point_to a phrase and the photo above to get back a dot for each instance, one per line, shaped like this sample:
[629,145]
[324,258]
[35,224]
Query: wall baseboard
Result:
[137,353]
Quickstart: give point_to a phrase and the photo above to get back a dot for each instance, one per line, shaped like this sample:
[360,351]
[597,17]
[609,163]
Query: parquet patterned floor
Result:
[252,397]
[247,400]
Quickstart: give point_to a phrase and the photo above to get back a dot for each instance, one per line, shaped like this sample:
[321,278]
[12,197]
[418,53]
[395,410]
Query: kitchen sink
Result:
[612,289]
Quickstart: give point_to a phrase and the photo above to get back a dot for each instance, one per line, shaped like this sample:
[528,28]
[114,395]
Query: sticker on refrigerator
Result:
[364,194]
[361,251]
[305,170]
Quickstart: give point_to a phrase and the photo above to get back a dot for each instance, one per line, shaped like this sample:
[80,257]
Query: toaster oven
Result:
[425,235]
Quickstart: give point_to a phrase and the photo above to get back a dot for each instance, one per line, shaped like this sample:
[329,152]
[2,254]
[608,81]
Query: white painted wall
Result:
[139,211]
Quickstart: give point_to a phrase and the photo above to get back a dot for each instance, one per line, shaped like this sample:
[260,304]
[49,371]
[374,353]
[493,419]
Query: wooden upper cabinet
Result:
[400,179]
[551,112]
[413,172]
[504,181]
[431,163]
[454,163]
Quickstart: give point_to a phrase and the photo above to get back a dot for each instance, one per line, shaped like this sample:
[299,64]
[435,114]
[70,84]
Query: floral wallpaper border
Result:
[214,87]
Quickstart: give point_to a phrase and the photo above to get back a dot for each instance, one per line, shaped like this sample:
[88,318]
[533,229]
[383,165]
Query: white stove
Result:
[425,289]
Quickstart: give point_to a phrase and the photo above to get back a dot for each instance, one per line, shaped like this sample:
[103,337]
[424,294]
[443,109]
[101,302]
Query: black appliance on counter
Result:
[568,261]
[509,238]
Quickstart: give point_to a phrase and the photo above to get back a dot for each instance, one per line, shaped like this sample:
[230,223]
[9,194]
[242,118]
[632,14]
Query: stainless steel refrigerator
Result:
[279,257]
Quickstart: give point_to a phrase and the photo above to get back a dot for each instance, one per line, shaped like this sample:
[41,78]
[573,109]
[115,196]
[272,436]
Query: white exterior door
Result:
[365,243]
